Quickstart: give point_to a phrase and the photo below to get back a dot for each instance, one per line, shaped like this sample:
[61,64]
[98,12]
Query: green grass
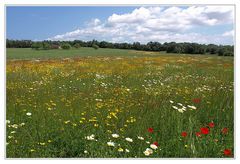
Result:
[28,53]
[111,92]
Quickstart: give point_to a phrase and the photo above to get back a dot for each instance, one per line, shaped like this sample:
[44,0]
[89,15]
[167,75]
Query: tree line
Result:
[171,47]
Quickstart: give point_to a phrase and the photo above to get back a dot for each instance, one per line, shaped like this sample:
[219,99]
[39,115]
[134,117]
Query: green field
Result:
[28,53]
[110,103]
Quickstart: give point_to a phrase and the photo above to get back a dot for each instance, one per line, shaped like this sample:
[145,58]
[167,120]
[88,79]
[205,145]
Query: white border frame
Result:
[116,3]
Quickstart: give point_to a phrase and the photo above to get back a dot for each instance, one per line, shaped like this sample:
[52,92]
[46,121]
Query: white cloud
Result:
[228,33]
[158,24]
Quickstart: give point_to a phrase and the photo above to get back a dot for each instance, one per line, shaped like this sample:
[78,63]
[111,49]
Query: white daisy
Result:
[128,139]
[110,143]
[141,138]
[115,135]
[180,104]
[91,137]
[180,110]
[175,107]
[148,152]
[153,146]
[28,114]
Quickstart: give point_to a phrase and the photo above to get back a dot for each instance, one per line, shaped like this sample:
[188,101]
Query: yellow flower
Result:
[66,122]
[82,114]
[99,105]
[113,114]
[49,141]
[92,120]
[74,124]
[132,120]
[53,104]
[120,149]
[42,143]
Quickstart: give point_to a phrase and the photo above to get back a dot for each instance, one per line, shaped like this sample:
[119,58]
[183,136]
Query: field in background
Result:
[107,103]
[28,53]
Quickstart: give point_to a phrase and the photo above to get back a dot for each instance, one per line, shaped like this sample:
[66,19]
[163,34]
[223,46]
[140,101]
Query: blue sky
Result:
[203,24]
[42,22]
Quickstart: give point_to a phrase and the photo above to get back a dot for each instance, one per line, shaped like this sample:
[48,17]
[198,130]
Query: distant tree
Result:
[95,46]
[225,51]
[154,46]
[66,46]
[46,46]
[172,47]
[103,44]
[212,49]
[77,45]
[37,45]
[136,46]
[221,51]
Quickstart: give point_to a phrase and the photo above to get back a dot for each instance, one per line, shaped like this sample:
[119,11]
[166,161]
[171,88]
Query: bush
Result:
[95,46]
[228,53]
[46,46]
[66,46]
[37,45]
[224,51]
[77,45]
[54,46]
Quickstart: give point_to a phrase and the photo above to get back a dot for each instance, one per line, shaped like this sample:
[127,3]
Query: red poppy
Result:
[227,152]
[196,100]
[184,134]
[211,124]
[150,130]
[204,130]
[155,143]
[225,130]
[198,134]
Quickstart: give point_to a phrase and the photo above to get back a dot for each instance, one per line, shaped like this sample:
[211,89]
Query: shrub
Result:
[46,46]
[66,46]
[37,45]
[54,46]
[95,46]
[77,45]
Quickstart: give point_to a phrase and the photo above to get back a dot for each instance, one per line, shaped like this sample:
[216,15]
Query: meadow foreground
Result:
[120,107]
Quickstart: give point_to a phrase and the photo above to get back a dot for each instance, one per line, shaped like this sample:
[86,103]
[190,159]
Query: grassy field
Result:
[28,53]
[109,103]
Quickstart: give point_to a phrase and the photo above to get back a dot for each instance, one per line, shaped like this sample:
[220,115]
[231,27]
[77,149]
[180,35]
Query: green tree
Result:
[46,46]
[66,46]
[77,45]
[95,46]
[37,45]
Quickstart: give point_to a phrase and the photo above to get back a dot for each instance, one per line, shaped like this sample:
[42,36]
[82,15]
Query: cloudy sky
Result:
[201,24]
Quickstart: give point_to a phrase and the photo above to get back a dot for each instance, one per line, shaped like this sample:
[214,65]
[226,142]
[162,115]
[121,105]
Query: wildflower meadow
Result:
[120,106]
